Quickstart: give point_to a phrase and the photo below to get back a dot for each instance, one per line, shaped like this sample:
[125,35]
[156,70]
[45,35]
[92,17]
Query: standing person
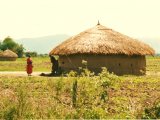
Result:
[29,65]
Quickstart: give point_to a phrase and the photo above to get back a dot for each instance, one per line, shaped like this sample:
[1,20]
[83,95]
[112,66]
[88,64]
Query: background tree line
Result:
[9,43]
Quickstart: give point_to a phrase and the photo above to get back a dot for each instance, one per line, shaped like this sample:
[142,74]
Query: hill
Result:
[46,43]
[153,42]
[42,44]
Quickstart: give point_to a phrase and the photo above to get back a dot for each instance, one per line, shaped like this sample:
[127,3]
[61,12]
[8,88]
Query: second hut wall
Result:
[8,59]
[119,64]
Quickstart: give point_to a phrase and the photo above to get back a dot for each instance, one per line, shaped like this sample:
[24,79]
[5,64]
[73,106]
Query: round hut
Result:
[103,47]
[8,55]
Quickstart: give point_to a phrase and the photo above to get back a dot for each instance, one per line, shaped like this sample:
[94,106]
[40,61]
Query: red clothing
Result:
[29,66]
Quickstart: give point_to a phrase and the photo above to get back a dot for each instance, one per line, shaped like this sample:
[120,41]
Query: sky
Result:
[35,18]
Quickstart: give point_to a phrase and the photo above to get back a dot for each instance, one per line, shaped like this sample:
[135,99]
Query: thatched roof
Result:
[102,40]
[8,54]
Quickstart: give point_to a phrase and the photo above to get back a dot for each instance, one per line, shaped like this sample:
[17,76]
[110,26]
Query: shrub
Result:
[59,85]
[153,112]
[74,93]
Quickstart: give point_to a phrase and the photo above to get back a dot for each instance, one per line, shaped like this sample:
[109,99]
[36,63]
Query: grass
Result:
[39,63]
[105,96]
[44,98]
[153,63]
[43,64]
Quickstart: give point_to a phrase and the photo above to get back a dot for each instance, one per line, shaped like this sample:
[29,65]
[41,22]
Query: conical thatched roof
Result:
[8,54]
[102,40]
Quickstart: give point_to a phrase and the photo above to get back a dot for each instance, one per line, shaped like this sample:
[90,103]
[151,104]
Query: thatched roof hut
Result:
[8,55]
[102,41]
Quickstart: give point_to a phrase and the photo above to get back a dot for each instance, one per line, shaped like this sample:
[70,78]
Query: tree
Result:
[9,43]
[0,45]
[20,50]
[32,54]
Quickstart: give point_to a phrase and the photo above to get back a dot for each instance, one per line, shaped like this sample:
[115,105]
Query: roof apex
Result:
[102,40]
[98,23]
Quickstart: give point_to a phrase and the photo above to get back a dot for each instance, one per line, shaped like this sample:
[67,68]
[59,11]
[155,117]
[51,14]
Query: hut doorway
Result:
[55,65]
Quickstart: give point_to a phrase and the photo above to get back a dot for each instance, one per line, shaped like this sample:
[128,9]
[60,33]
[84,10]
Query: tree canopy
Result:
[9,43]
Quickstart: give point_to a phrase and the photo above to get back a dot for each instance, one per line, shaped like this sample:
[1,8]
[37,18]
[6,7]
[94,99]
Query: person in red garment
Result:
[29,65]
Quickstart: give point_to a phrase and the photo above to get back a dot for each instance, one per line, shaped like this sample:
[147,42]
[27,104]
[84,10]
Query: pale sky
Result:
[35,18]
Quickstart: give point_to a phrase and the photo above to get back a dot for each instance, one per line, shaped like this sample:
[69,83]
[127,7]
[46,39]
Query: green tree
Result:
[0,45]
[9,43]
[32,54]
[20,50]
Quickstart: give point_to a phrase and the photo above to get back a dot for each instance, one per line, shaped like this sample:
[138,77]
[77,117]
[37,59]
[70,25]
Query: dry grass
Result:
[9,54]
[102,40]
[36,97]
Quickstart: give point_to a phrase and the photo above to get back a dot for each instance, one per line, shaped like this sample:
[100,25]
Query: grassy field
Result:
[43,64]
[153,64]
[87,96]
[39,63]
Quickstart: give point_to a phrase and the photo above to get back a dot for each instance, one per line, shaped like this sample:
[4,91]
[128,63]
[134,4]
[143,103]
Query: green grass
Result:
[153,63]
[39,63]
[37,97]
[44,64]
[52,97]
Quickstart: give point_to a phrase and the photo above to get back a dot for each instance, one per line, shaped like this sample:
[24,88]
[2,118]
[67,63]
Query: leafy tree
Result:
[0,45]
[9,43]
[20,50]
[32,54]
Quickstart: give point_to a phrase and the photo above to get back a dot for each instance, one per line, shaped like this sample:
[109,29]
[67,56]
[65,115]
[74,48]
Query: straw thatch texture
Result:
[102,40]
[8,55]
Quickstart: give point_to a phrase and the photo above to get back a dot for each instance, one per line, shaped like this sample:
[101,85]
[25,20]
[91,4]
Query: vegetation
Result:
[39,64]
[84,96]
[43,63]
[9,43]
[32,54]
[153,64]
[95,97]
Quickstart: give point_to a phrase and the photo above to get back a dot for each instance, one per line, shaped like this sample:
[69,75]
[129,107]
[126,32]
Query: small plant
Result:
[74,93]
[91,114]
[72,74]
[107,79]
[84,63]
[22,103]
[152,113]
[10,114]
[59,85]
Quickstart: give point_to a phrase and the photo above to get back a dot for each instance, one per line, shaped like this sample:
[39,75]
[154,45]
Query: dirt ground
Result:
[23,73]
[20,73]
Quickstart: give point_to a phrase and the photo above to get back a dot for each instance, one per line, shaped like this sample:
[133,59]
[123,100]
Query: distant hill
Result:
[42,44]
[153,42]
[47,43]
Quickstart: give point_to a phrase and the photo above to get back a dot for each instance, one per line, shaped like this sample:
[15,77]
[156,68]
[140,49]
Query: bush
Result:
[9,43]
[153,112]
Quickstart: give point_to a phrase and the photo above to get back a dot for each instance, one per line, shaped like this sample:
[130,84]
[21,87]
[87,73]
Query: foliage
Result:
[74,93]
[72,74]
[9,43]
[43,55]
[53,97]
[40,64]
[32,54]
[20,50]
[58,86]
[153,112]
[0,45]
[153,64]
[102,96]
